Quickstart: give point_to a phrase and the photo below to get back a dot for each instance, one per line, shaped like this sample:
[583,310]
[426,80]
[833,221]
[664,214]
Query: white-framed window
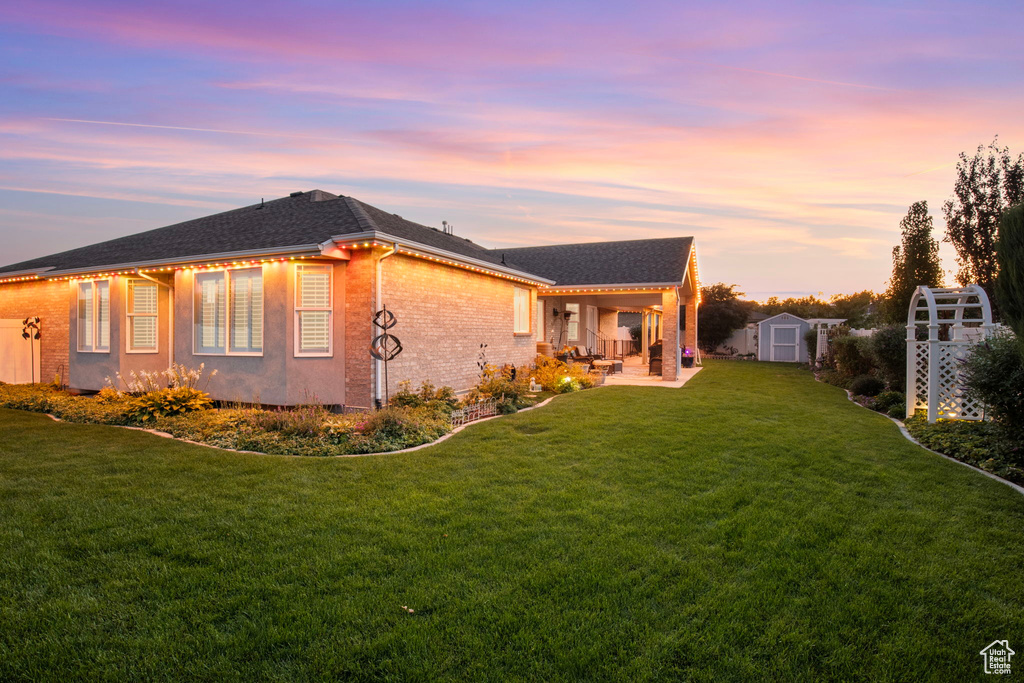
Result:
[94,316]
[228,311]
[573,325]
[141,313]
[313,310]
[521,315]
[540,320]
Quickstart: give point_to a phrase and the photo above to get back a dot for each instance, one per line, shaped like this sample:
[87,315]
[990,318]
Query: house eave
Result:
[24,275]
[223,258]
[367,238]
[620,287]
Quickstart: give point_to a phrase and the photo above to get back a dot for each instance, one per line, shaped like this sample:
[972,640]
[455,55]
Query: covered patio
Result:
[595,281]
[588,318]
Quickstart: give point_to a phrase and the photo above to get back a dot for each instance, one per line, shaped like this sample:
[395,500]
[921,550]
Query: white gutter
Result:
[378,365]
[556,289]
[185,261]
[363,238]
[23,273]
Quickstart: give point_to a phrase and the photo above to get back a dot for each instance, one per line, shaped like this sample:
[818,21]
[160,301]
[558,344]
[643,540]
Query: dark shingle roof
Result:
[306,219]
[604,263]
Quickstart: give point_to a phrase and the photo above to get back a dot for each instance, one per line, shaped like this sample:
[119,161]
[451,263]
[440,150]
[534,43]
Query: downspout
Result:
[170,315]
[378,365]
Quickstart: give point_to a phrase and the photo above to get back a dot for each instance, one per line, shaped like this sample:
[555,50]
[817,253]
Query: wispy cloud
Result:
[763,132]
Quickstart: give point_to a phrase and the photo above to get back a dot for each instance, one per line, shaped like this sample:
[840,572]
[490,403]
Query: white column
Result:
[933,372]
[911,398]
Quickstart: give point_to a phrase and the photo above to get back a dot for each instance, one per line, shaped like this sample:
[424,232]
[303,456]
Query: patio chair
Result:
[581,354]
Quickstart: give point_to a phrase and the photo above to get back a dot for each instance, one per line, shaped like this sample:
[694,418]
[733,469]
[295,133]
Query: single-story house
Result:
[279,298]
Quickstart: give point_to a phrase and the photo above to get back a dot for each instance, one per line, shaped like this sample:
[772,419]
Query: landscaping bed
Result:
[414,416]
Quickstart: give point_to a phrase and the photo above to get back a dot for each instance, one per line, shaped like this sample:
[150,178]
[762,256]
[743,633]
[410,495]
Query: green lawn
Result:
[754,525]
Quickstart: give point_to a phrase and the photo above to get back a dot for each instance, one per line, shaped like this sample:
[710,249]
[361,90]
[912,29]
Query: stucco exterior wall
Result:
[359,308]
[444,314]
[90,369]
[277,377]
[608,323]
[48,300]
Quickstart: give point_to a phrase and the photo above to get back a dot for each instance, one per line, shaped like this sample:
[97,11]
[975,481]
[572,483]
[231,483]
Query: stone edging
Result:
[322,457]
[903,430]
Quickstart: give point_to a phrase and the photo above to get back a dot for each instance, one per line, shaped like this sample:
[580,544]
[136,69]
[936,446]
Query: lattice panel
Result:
[921,367]
[953,400]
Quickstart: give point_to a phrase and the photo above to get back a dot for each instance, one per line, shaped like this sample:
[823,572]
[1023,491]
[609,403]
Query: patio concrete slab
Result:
[631,380]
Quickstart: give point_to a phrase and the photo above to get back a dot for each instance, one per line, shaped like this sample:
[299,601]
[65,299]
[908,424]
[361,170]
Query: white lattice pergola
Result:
[933,366]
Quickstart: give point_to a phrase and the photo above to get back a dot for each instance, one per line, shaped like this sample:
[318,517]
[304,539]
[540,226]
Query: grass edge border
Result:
[909,437]
[435,442]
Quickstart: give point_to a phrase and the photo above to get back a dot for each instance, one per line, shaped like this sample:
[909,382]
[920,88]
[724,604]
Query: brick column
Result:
[690,338]
[670,354]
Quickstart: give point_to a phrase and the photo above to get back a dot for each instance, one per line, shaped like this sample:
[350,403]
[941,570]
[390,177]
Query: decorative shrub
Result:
[500,384]
[441,400]
[835,378]
[811,340]
[888,399]
[305,420]
[897,410]
[175,377]
[866,385]
[170,402]
[394,428]
[994,375]
[975,442]
[851,355]
[34,397]
[887,349]
[554,375]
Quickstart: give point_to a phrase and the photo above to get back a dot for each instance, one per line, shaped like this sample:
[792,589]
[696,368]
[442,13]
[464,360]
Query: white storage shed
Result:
[781,338]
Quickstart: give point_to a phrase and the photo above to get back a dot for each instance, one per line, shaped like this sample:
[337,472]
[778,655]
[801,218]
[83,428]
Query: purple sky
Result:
[788,138]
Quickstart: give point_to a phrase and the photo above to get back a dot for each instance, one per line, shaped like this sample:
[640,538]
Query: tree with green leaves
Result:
[986,185]
[720,314]
[914,262]
[1010,281]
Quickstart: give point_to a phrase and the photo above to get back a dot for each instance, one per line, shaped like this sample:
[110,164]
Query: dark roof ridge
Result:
[579,244]
[362,218]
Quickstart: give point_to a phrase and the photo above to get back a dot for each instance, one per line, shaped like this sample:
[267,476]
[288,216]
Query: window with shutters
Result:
[313,310]
[94,316]
[521,315]
[141,311]
[228,308]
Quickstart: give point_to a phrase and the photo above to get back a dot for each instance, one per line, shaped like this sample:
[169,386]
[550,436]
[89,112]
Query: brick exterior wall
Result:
[360,284]
[669,334]
[444,314]
[49,301]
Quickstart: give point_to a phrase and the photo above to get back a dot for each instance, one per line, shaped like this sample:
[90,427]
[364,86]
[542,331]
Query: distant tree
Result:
[857,308]
[720,314]
[1010,281]
[986,185]
[915,262]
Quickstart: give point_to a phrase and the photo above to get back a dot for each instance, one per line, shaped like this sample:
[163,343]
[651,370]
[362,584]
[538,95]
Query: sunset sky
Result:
[788,138]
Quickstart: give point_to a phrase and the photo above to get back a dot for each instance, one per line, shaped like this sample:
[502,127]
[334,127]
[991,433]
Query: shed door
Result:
[784,341]
[19,357]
